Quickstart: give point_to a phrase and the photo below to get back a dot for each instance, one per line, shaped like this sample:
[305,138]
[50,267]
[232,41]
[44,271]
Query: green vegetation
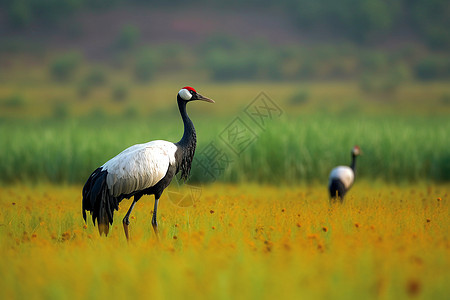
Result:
[361,21]
[290,150]
[127,38]
[432,68]
[393,103]
[63,67]
[224,58]
[14,101]
[145,65]
[58,132]
[396,150]
[230,59]
[301,96]
[119,93]
[96,77]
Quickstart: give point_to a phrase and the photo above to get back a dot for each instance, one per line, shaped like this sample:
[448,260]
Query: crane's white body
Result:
[139,167]
[344,174]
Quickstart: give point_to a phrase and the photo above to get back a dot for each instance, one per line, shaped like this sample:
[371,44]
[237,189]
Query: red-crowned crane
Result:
[342,178]
[143,169]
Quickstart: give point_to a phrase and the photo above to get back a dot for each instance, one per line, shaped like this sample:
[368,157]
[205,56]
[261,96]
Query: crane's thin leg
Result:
[126,220]
[154,223]
[332,200]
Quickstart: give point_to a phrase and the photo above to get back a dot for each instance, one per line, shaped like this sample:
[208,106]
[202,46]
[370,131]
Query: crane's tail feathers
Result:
[97,200]
[337,190]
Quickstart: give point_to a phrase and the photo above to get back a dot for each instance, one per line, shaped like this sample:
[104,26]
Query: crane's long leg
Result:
[154,223]
[126,220]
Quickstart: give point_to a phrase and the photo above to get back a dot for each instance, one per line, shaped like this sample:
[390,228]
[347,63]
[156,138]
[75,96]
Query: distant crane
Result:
[342,178]
[143,169]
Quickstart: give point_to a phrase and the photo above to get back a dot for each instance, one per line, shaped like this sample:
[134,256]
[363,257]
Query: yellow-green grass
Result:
[41,98]
[245,241]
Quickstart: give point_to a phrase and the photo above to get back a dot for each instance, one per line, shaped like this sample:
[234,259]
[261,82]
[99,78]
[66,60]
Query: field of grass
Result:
[263,228]
[48,134]
[246,241]
[42,98]
[290,150]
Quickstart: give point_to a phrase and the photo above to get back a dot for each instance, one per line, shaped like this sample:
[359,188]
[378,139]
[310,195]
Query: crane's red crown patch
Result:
[190,89]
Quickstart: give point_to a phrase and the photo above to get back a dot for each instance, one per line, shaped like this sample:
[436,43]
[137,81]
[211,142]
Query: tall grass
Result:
[290,150]
[307,148]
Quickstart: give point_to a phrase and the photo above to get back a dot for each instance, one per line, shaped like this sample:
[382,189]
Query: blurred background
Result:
[82,80]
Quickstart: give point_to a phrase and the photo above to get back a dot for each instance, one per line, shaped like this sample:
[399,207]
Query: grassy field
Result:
[50,135]
[246,241]
[290,150]
[43,98]
[264,228]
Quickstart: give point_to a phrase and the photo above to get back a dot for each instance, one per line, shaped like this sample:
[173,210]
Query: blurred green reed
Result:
[289,150]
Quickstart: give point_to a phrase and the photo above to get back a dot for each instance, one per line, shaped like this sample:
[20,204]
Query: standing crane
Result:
[143,169]
[342,178]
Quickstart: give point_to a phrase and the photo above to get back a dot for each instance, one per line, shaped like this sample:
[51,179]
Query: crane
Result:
[142,169]
[342,177]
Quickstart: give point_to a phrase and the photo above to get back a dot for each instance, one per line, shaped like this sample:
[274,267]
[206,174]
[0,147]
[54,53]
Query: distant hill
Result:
[94,32]
[93,26]
[379,43]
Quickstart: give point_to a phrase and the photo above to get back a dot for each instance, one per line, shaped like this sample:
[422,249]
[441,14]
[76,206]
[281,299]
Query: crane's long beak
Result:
[203,98]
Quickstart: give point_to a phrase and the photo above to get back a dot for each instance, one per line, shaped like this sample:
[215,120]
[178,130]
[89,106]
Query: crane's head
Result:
[356,151]
[190,94]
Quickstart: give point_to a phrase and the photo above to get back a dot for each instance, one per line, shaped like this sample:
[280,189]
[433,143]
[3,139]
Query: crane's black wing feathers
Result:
[337,188]
[97,200]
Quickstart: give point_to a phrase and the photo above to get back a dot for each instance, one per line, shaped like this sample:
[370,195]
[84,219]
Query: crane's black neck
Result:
[187,143]
[353,164]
